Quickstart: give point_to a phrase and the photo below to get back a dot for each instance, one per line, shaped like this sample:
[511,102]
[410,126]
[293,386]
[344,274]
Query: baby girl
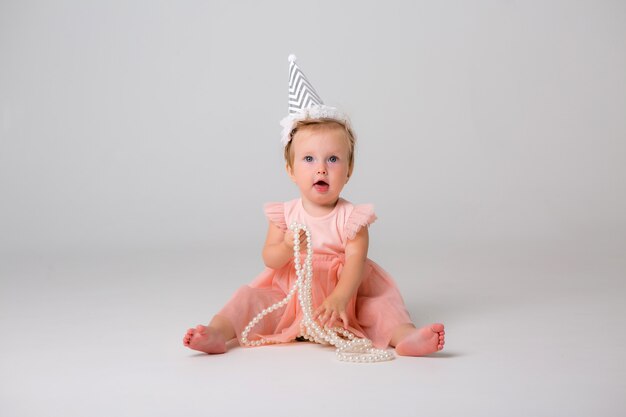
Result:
[347,288]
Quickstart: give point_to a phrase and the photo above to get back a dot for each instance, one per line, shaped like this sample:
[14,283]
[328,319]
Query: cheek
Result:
[301,171]
[338,169]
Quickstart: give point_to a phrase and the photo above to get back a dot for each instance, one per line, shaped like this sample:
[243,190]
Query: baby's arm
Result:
[334,307]
[278,248]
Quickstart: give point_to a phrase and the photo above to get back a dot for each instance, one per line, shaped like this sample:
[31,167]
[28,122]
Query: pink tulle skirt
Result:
[374,312]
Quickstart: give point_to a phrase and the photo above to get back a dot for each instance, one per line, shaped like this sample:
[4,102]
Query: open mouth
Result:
[321,186]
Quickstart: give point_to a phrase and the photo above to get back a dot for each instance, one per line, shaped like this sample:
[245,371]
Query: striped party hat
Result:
[305,103]
[301,92]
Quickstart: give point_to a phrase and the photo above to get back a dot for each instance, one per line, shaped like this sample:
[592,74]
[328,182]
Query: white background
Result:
[139,141]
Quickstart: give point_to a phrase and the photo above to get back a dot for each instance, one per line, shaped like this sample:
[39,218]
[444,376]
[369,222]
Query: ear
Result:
[290,172]
[349,174]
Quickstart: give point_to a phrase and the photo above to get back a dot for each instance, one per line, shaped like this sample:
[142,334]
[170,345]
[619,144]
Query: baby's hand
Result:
[332,309]
[289,239]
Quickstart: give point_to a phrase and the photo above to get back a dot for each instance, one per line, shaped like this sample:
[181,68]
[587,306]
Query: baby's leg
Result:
[410,341]
[211,338]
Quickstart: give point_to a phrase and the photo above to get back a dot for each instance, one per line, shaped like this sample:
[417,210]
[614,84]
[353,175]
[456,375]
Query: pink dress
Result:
[374,312]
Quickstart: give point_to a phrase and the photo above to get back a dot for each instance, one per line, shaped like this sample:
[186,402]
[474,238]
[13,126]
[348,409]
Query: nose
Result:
[321,170]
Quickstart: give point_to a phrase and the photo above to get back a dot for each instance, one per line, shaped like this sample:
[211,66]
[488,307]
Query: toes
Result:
[188,336]
[437,327]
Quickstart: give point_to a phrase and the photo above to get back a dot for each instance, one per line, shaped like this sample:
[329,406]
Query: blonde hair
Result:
[320,123]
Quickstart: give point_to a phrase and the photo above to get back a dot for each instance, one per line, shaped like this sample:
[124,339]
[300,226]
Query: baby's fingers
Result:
[322,314]
[289,238]
[318,311]
[327,315]
[344,319]
[333,319]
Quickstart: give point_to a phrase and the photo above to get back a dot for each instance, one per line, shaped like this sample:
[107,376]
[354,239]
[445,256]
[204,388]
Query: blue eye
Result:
[308,158]
[333,159]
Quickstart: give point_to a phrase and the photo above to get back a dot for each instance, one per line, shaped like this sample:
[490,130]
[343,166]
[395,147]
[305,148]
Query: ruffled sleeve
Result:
[275,213]
[362,215]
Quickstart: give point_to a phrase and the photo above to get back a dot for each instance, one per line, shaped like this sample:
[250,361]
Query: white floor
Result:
[535,331]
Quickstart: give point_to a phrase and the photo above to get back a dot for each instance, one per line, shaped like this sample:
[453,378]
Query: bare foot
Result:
[205,339]
[422,341]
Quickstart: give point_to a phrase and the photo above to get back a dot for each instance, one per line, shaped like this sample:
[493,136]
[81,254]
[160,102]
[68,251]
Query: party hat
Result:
[305,103]
[301,92]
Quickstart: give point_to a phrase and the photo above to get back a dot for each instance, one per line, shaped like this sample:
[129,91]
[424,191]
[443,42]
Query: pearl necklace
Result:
[349,347]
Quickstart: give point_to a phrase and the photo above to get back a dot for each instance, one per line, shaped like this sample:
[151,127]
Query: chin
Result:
[326,200]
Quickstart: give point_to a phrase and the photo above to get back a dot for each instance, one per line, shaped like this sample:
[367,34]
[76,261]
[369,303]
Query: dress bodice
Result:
[329,233]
